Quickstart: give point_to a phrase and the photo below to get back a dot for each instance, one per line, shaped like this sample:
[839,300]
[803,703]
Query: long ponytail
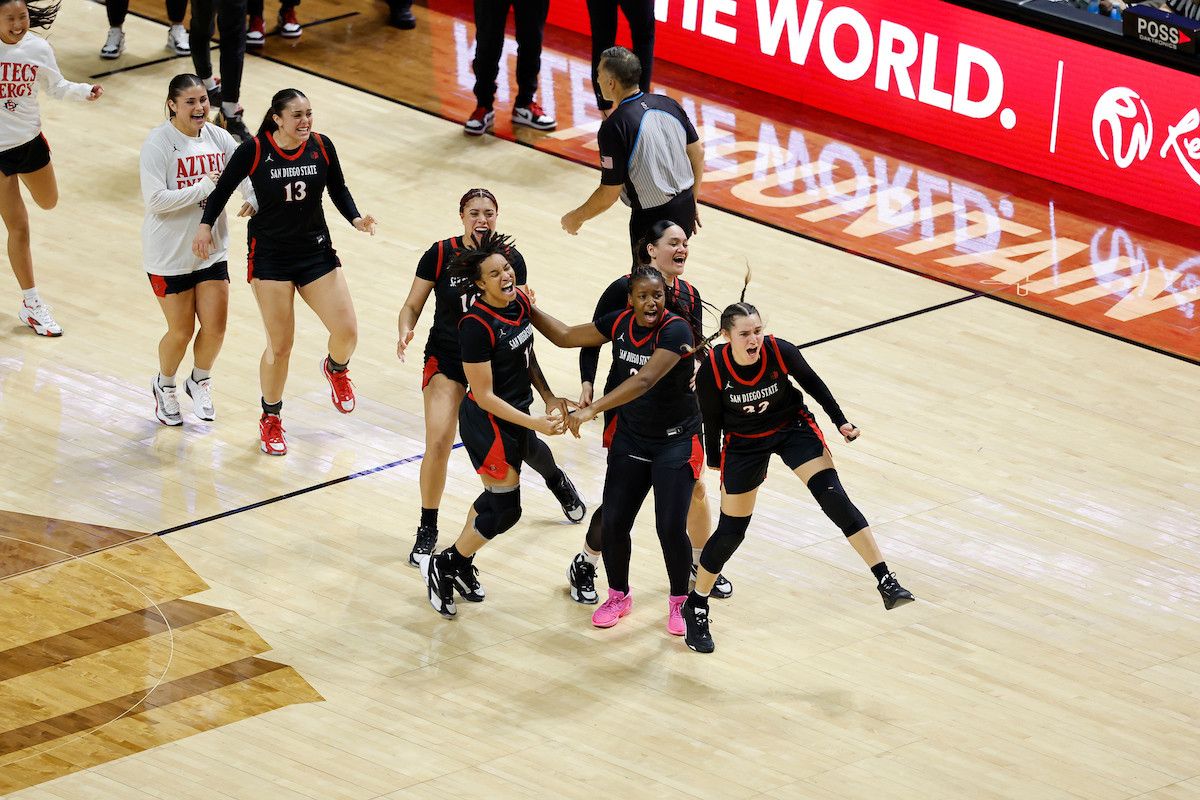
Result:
[278,104]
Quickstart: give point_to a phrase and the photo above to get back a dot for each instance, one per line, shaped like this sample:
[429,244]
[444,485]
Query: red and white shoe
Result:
[532,116]
[40,319]
[270,434]
[341,389]
[256,32]
[289,26]
[480,122]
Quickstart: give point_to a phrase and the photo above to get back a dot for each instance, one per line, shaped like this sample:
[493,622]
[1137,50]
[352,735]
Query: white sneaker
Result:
[201,394]
[166,404]
[532,116]
[40,319]
[177,41]
[289,26]
[114,45]
[480,122]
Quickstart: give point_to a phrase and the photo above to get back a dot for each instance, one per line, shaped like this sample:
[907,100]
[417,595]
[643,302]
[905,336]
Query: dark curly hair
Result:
[466,263]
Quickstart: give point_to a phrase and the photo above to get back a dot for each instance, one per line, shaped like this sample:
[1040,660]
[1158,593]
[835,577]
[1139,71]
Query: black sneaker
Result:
[582,577]
[236,127]
[721,589]
[697,637]
[466,580]
[401,16]
[569,499]
[426,541]
[214,97]
[893,593]
[439,585]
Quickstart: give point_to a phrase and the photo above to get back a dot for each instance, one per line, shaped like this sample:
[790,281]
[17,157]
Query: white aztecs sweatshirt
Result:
[175,184]
[22,65]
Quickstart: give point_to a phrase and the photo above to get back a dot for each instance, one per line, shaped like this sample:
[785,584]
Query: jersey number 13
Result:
[295,191]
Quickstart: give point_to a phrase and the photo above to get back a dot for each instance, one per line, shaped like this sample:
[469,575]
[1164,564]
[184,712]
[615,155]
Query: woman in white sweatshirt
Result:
[26,61]
[181,161]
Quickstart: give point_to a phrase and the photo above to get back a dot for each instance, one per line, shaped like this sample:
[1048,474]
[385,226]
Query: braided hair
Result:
[473,194]
[740,309]
[466,263]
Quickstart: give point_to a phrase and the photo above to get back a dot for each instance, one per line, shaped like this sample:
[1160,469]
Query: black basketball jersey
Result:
[669,408]
[758,399]
[504,337]
[683,299]
[450,301]
[289,186]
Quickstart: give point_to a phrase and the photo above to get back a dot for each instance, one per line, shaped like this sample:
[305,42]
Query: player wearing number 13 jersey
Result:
[290,252]
[746,390]
[443,382]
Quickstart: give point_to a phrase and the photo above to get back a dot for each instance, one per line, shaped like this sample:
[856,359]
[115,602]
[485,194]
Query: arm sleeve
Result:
[810,382]
[160,199]
[231,145]
[474,340]
[614,160]
[427,267]
[612,300]
[339,193]
[237,169]
[57,86]
[707,393]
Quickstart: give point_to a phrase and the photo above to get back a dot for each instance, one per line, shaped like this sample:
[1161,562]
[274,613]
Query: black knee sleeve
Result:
[725,540]
[830,495]
[497,511]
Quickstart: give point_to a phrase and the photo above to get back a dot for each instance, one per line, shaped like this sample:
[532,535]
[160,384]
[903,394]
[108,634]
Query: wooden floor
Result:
[1034,484]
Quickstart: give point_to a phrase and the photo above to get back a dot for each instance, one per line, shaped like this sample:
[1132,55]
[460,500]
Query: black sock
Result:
[335,366]
[454,559]
[272,408]
[697,600]
[880,571]
[429,517]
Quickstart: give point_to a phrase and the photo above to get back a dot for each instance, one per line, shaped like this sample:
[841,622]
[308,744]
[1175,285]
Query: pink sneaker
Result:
[610,612]
[675,625]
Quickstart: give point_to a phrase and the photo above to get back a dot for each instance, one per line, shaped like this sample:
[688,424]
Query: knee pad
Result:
[724,542]
[501,511]
[830,495]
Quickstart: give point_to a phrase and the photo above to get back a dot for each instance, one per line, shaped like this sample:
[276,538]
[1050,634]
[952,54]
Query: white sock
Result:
[199,374]
[592,558]
[696,556]
[116,28]
[210,83]
[166,381]
[31,297]
[697,591]
[229,109]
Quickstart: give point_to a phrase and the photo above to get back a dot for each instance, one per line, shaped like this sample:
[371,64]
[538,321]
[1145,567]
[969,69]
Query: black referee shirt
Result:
[643,146]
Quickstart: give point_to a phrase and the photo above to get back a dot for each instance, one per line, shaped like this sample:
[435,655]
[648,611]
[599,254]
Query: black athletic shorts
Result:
[494,445]
[679,451]
[744,459]
[175,284]
[26,158]
[442,364]
[300,270]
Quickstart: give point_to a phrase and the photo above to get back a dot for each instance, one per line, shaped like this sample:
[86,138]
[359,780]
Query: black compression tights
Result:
[539,457]
[626,485]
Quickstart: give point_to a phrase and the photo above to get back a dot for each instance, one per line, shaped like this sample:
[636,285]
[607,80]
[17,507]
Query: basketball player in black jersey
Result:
[444,383]
[746,391]
[290,251]
[664,247]
[653,441]
[496,345]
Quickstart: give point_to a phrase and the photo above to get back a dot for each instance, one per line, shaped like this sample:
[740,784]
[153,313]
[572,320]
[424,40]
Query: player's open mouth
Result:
[506,288]
[752,351]
[680,259]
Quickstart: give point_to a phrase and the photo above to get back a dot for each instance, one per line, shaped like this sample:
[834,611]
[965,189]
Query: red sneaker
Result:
[341,388]
[480,122]
[289,26]
[270,433]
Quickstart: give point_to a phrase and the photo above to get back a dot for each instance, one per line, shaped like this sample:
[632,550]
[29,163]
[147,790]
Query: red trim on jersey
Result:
[778,355]
[482,322]
[483,306]
[712,359]
[159,284]
[284,155]
[724,447]
[610,430]
[250,261]
[666,322]
[663,318]
[774,430]
[762,370]
[812,423]
[494,464]
[437,271]
[696,459]
[617,323]
[321,144]
[431,369]
[257,154]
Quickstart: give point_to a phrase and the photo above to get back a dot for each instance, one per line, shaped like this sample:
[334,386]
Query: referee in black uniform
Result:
[650,155]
